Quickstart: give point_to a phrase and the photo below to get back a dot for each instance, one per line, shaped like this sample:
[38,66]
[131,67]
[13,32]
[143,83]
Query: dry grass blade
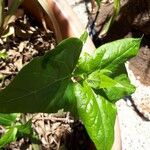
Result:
[1,12]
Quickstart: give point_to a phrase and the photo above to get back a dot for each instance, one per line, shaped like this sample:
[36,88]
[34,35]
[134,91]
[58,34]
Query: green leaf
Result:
[3,55]
[8,119]
[40,85]
[112,18]
[98,80]
[84,64]
[122,88]
[109,56]
[70,99]
[84,37]
[8,137]
[25,130]
[114,89]
[97,115]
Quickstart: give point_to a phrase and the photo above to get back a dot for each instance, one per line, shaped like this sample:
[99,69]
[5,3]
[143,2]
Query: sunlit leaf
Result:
[112,18]
[40,85]
[84,37]
[8,137]
[98,116]
[7,119]
[109,56]
[3,55]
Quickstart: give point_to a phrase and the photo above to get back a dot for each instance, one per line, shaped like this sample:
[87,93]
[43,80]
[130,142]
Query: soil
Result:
[54,131]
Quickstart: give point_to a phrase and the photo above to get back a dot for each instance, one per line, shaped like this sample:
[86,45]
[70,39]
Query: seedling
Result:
[88,86]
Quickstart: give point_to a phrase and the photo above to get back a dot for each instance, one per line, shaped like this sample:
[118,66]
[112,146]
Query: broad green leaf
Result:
[70,99]
[98,80]
[40,85]
[3,55]
[8,119]
[25,130]
[8,137]
[115,89]
[122,88]
[84,64]
[97,115]
[109,56]
[108,113]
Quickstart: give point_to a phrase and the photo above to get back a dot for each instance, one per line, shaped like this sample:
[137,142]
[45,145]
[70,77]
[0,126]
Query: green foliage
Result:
[25,130]
[113,17]
[8,119]
[88,87]
[109,56]
[3,55]
[114,88]
[14,129]
[84,37]
[97,114]
[48,77]
[8,137]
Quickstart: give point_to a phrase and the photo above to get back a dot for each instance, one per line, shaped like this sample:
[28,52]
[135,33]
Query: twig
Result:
[7,72]
[53,119]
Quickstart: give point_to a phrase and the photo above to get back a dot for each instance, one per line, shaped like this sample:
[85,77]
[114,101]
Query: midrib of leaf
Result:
[107,109]
[104,128]
[117,83]
[123,53]
[5,119]
[34,92]
[100,128]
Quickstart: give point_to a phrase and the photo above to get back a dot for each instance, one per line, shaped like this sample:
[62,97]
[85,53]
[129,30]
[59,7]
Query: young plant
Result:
[14,129]
[87,86]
